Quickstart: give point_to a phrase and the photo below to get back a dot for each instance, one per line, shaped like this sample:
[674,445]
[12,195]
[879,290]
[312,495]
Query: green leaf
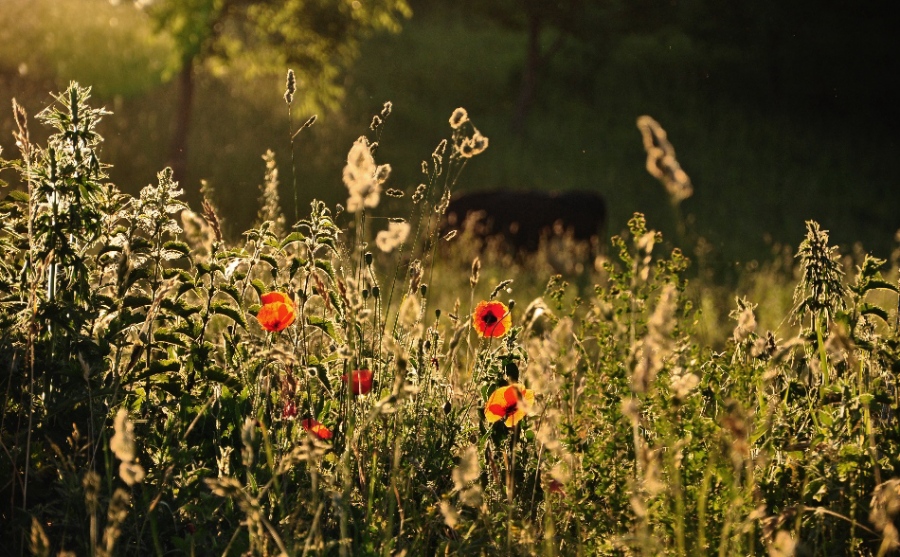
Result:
[134,301]
[291,238]
[174,388]
[232,291]
[218,375]
[19,195]
[169,336]
[271,261]
[189,327]
[124,320]
[164,366]
[105,302]
[177,247]
[205,268]
[132,277]
[139,243]
[185,287]
[258,286]
[173,272]
[326,266]
[869,309]
[326,325]
[879,284]
[179,307]
[296,265]
[223,308]
[108,249]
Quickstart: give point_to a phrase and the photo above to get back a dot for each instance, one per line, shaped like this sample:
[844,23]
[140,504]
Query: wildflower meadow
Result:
[356,380]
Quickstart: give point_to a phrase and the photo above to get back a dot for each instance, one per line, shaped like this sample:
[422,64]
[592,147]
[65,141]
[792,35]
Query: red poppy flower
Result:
[316,429]
[491,319]
[362,381]
[510,403]
[277,312]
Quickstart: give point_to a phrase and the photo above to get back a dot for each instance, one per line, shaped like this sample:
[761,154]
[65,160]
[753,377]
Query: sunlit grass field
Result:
[194,370]
[359,382]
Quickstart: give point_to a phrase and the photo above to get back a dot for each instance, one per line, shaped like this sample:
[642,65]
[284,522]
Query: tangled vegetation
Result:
[340,386]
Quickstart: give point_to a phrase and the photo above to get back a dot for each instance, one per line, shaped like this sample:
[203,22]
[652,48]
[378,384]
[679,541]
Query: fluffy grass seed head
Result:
[410,311]
[122,442]
[393,237]
[363,177]
[682,384]
[270,204]
[464,474]
[199,233]
[472,146]
[419,194]
[123,446]
[661,161]
[290,87]
[458,118]
[746,321]
[476,272]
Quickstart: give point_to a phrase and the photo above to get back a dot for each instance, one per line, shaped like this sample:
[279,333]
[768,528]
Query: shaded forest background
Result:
[779,112]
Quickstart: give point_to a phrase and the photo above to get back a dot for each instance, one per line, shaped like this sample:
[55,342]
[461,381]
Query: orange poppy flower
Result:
[316,429]
[491,319]
[509,403]
[362,381]
[277,312]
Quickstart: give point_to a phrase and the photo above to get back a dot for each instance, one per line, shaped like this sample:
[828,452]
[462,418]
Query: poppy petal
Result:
[511,395]
[494,412]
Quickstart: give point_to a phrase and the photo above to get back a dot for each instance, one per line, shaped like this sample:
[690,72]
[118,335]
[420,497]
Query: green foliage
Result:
[152,408]
[318,38]
[60,41]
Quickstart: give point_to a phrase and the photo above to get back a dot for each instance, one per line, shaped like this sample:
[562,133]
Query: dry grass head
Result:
[661,161]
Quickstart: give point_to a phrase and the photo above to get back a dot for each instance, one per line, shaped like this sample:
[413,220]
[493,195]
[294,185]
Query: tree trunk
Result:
[178,155]
[529,73]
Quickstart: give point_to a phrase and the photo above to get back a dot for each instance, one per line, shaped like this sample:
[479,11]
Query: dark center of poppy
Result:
[510,410]
[489,318]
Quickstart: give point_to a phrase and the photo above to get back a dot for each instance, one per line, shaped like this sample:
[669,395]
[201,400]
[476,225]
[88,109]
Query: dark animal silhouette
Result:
[523,217]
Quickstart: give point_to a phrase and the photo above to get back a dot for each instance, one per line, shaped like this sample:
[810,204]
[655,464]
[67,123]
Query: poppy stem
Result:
[510,486]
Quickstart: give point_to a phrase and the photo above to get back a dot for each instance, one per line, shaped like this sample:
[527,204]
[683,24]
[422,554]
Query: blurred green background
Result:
[779,111]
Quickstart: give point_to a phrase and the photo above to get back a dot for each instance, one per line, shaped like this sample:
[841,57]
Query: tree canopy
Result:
[316,38]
